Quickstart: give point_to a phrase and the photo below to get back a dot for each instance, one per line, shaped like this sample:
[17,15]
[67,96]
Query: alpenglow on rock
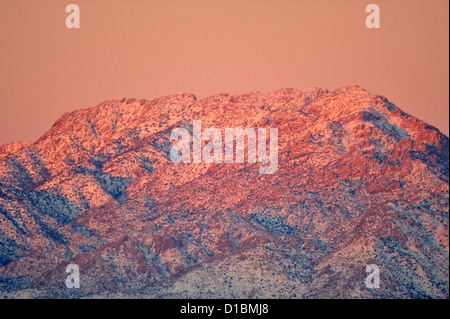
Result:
[359,182]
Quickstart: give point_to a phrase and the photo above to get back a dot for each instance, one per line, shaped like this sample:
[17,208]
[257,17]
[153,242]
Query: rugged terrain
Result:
[359,182]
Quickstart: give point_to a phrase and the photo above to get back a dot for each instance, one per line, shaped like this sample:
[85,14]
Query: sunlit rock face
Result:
[358,182]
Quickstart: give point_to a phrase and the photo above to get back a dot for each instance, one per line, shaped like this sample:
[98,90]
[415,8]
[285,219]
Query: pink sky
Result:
[146,49]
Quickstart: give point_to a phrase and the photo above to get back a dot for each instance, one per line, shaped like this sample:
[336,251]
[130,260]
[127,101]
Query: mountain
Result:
[358,182]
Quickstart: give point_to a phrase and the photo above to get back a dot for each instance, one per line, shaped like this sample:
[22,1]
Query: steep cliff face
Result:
[358,182]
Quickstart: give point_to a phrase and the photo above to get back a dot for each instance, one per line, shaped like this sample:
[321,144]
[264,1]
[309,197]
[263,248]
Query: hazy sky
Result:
[145,49]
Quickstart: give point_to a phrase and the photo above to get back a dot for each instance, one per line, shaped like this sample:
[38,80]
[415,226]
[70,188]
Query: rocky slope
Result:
[359,182]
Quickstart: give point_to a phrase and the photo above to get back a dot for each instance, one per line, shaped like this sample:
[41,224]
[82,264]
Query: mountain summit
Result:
[359,182]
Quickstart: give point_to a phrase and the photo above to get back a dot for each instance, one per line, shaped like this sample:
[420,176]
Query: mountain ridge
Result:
[359,181]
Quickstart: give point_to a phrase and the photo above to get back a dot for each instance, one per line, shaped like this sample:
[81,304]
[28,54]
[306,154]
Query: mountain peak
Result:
[351,89]
[358,181]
